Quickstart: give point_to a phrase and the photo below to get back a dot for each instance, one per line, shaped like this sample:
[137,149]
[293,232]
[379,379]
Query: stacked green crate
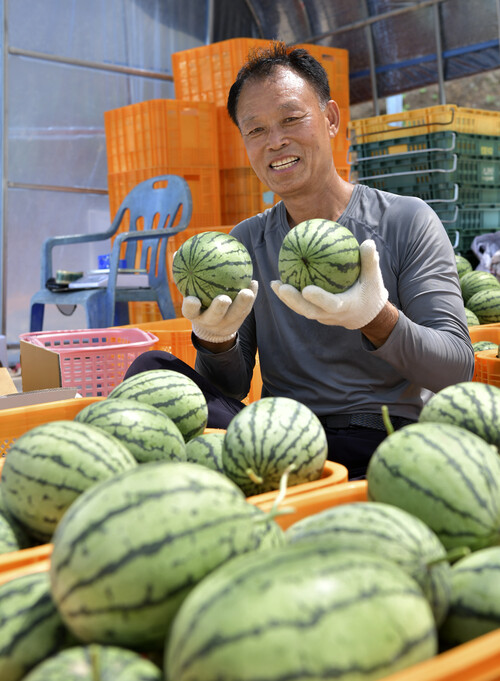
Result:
[457,173]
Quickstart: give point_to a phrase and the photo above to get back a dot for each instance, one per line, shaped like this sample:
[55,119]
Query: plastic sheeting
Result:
[404,45]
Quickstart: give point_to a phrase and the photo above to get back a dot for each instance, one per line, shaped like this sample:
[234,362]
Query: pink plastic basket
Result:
[94,361]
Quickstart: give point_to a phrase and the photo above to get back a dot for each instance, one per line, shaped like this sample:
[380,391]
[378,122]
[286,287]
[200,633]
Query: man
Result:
[395,335]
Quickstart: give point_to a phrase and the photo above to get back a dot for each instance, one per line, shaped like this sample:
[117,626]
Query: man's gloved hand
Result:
[223,318]
[353,308]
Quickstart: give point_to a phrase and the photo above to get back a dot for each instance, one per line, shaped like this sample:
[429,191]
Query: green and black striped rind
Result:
[463,265]
[472,318]
[206,450]
[173,393]
[13,537]
[386,531]
[319,252]
[484,345]
[127,553]
[85,663]
[475,599]
[147,432]
[31,628]
[447,476]
[267,436]
[472,405]
[486,305]
[210,264]
[475,281]
[49,466]
[301,612]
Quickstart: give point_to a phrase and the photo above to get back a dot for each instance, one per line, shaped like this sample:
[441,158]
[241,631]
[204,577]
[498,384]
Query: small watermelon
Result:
[127,553]
[319,252]
[475,598]
[485,305]
[484,345]
[463,265]
[386,531]
[31,628]
[175,394]
[475,281]
[472,405]
[206,450]
[211,264]
[13,537]
[95,663]
[268,436]
[445,475]
[301,612]
[49,466]
[472,318]
[147,432]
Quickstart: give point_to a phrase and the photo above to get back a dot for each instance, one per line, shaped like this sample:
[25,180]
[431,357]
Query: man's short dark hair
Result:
[262,61]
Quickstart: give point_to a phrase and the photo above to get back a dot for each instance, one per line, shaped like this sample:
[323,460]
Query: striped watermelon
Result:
[269,435]
[319,252]
[387,531]
[13,537]
[471,405]
[301,612]
[211,264]
[484,345]
[128,552]
[95,663]
[486,305]
[472,318]
[475,600]
[206,450]
[463,265]
[446,476]
[147,432]
[477,280]
[31,628]
[49,466]
[175,394]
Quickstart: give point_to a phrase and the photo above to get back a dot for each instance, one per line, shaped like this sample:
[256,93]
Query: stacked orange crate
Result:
[206,74]
[164,136]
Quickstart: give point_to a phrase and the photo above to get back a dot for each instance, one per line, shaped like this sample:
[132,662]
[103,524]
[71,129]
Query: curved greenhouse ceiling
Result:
[394,45]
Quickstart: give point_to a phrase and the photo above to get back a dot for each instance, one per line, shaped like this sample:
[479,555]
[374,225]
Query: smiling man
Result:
[399,332]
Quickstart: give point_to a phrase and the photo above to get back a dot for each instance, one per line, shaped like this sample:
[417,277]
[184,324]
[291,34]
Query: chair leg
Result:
[165,304]
[36,317]
[121,314]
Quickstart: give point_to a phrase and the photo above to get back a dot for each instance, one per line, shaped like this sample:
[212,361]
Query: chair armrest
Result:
[52,241]
[145,234]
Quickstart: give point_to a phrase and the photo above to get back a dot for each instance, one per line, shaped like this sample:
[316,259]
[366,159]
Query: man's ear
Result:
[332,113]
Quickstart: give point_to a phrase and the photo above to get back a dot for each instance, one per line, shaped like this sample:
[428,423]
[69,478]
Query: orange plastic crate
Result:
[17,421]
[487,364]
[426,120]
[335,61]
[243,195]
[161,132]
[27,561]
[207,72]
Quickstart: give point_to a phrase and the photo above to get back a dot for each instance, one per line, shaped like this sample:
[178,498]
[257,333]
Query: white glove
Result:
[220,321]
[353,308]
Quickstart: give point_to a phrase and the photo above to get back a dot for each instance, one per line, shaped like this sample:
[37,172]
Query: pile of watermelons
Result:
[480,292]
[162,569]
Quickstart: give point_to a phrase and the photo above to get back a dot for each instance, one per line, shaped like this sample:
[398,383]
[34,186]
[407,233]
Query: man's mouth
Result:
[283,163]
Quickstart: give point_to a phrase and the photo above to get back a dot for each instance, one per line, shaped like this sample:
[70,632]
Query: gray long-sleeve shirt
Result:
[331,369]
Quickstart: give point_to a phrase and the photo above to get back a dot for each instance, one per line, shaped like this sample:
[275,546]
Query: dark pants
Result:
[352,447]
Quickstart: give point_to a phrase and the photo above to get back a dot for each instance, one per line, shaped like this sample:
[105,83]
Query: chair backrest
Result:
[155,204]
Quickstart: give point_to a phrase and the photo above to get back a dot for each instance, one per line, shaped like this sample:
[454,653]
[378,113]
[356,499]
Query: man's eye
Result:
[253,132]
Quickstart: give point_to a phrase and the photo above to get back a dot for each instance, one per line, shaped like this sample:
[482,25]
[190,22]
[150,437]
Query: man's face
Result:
[286,134]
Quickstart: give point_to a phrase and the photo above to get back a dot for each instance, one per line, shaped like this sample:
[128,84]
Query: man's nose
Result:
[276,138]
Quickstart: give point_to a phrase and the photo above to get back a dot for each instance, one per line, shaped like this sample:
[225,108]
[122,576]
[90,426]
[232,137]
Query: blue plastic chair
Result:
[153,207]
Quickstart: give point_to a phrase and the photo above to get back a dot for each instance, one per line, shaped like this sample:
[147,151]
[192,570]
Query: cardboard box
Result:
[10,397]
[40,367]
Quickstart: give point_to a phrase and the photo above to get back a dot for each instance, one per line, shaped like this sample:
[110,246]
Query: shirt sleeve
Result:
[430,344]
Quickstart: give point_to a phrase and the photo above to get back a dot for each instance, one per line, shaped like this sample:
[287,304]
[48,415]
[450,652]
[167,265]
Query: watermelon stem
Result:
[451,556]
[275,510]
[257,479]
[94,662]
[387,421]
